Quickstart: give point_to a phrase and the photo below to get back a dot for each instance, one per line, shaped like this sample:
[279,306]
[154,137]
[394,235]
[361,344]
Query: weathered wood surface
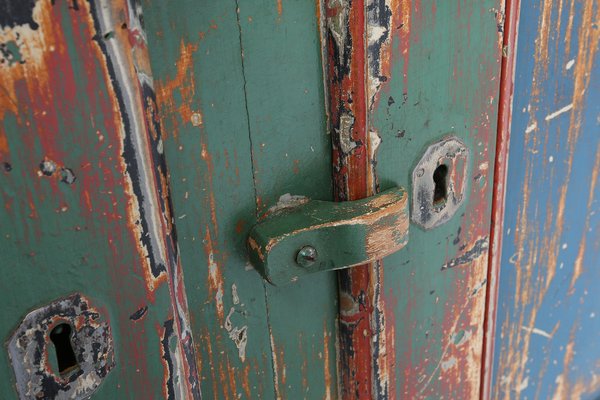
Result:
[84,190]
[505,109]
[440,68]
[547,335]
[364,364]
[402,75]
[240,100]
[240,92]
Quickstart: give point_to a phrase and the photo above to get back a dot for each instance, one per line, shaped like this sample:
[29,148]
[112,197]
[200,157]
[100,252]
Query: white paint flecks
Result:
[531,128]
[196,119]
[570,64]
[374,142]
[523,385]
[345,133]
[537,331]
[239,335]
[287,201]
[234,294]
[451,362]
[559,112]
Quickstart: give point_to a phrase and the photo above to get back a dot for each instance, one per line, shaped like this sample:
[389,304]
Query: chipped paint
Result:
[286,201]
[91,340]
[478,249]
[537,331]
[183,86]
[544,281]
[104,123]
[357,37]
[137,102]
[239,335]
[557,113]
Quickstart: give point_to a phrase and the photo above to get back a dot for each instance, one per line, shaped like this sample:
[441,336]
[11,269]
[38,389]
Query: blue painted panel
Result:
[548,323]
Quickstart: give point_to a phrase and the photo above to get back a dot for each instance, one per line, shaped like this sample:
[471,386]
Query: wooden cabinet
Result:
[141,141]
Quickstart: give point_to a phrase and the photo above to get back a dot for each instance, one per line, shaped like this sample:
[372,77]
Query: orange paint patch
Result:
[184,85]
[4,151]
[36,47]
[326,371]
[578,266]
[246,381]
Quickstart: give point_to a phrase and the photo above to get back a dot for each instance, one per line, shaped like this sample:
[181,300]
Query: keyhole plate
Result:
[75,375]
[439,182]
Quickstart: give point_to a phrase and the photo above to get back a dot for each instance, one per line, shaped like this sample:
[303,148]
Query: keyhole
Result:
[440,192]
[61,338]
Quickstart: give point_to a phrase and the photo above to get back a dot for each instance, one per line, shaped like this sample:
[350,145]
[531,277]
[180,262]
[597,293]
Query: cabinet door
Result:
[241,100]
[243,89]
[119,126]
[92,300]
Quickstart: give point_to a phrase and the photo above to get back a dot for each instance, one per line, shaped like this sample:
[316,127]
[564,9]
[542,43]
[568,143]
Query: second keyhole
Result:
[440,180]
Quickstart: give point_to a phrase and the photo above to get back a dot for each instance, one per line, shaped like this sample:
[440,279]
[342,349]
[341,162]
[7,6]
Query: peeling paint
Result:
[544,265]
[478,249]
[91,341]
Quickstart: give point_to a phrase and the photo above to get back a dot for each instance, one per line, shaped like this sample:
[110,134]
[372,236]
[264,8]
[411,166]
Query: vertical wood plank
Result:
[354,33]
[440,76]
[196,55]
[291,155]
[505,109]
[547,328]
[86,205]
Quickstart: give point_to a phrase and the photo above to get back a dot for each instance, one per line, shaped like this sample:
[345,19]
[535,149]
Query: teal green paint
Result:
[341,235]
[59,253]
[291,154]
[11,52]
[269,118]
[63,247]
[447,92]
[216,73]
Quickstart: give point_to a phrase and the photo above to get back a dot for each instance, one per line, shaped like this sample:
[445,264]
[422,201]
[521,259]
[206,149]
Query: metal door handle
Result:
[321,235]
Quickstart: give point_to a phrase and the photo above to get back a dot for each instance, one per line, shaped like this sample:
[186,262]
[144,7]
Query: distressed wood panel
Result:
[83,183]
[291,153]
[242,106]
[438,69]
[547,330]
[505,99]
[355,33]
[200,94]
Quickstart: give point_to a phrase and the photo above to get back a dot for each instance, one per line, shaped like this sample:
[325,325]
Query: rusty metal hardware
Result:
[321,235]
[438,182]
[62,350]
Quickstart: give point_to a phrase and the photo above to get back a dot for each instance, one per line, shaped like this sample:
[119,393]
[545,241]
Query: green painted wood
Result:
[443,79]
[232,153]
[82,211]
[200,91]
[291,154]
[330,235]
[239,89]
[256,98]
